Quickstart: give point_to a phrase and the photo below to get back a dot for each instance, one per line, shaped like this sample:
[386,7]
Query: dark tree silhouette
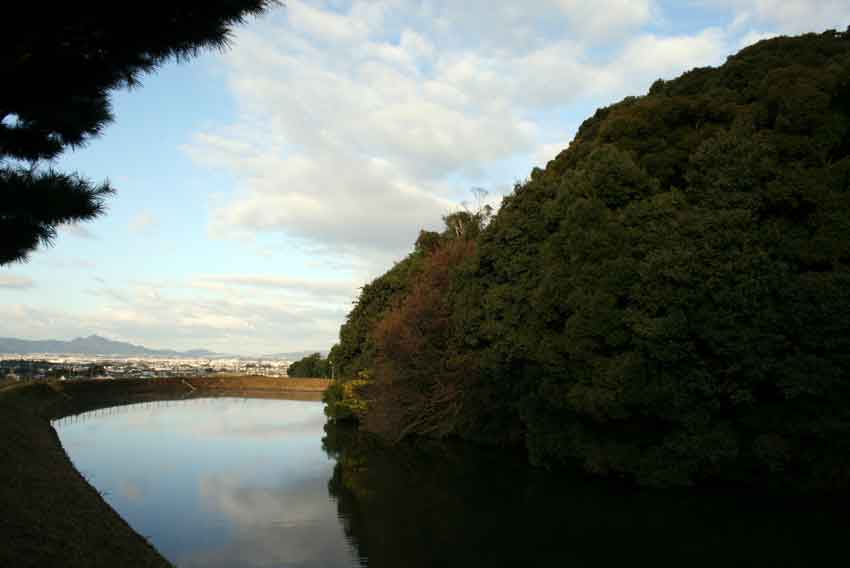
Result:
[310,367]
[60,65]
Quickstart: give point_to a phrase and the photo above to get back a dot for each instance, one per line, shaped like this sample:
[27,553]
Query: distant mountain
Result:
[93,345]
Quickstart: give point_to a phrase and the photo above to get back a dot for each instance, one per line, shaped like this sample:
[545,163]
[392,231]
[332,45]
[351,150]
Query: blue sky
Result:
[260,187]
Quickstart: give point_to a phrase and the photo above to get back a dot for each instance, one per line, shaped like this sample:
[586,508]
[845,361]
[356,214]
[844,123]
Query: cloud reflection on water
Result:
[286,525]
[216,482]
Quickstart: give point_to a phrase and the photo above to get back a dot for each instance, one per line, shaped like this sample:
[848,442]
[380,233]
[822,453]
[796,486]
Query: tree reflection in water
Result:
[436,504]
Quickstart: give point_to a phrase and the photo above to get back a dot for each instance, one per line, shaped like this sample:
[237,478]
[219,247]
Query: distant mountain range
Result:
[93,345]
[97,345]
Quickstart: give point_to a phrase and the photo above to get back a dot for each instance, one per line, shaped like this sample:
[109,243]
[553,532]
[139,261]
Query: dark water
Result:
[240,482]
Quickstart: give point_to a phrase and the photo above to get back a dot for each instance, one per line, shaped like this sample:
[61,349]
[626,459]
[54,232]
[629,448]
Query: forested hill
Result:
[667,301]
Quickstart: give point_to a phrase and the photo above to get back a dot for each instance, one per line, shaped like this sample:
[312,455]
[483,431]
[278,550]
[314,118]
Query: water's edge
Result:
[52,515]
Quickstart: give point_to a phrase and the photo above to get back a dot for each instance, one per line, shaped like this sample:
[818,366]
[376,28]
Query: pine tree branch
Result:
[34,204]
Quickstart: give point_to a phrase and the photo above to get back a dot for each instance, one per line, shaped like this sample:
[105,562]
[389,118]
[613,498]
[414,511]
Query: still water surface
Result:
[253,482]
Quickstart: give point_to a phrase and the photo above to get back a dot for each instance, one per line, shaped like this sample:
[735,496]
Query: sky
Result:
[261,187]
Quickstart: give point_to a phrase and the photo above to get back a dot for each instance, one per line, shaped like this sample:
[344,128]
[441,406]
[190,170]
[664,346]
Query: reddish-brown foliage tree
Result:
[419,377]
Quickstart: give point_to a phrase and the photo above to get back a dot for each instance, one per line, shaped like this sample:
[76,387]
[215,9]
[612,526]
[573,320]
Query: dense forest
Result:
[668,301]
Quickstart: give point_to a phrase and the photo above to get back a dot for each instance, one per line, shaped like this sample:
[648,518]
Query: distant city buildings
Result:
[48,366]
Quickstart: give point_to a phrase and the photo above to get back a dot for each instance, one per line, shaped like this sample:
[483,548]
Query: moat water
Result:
[256,482]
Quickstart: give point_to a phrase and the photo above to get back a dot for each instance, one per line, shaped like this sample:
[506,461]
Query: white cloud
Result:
[649,55]
[324,25]
[788,16]
[605,19]
[301,286]
[362,123]
[334,200]
[416,44]
[12,282]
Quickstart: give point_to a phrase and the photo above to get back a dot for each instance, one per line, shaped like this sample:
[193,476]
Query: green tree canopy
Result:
[60,65]
[311,367]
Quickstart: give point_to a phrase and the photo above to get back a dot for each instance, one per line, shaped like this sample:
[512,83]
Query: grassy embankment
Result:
[50,515]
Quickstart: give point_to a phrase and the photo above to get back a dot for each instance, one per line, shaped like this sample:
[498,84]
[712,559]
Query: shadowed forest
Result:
[667,302]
